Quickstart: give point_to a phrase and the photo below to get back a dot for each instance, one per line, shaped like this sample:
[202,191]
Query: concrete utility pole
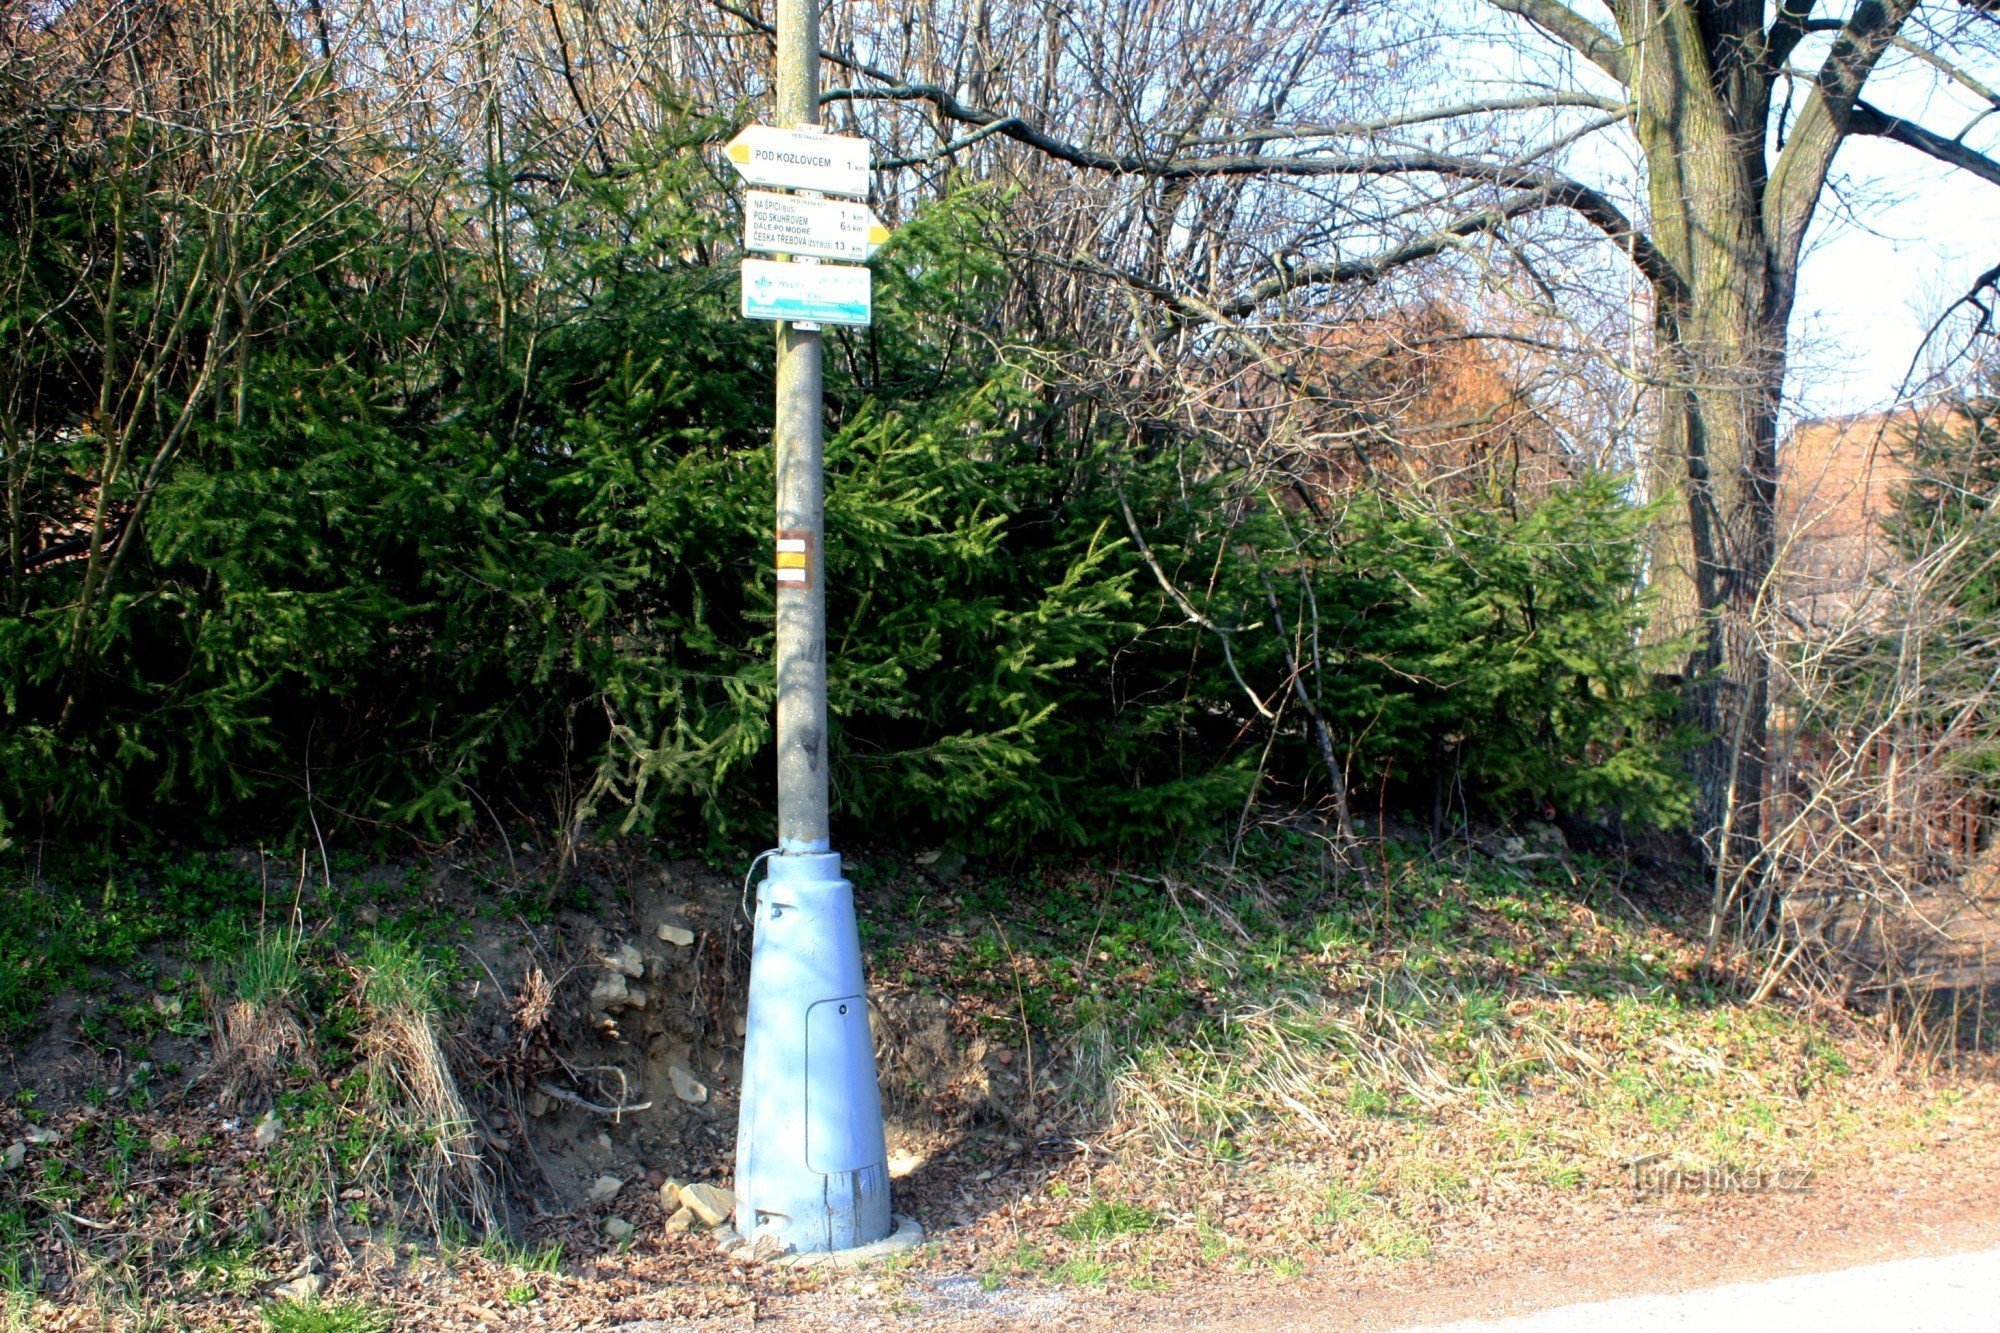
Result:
[811,1165]
[801,502]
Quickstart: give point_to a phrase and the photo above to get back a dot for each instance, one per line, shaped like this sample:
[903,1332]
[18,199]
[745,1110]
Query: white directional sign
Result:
[789,224]
[807,293]
[801,160]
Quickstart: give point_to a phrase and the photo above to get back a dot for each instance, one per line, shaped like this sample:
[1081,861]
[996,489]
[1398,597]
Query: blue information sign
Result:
[807,293]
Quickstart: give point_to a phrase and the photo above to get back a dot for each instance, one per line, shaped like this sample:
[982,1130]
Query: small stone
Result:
[537,1104]
[628,961]
[655,1178]
[40,1134]
[611,991]
[711,1203]
[681,1219]
[368,915]
[618,1229]
[605,1188]
[267,1131]
[670,1194]
[740,1024]
[16,1151]
[686,1086]
[301,1288]
[677,935]
[1545,836]
[635,998]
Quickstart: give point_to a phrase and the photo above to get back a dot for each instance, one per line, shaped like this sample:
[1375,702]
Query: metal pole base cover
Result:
[812,1168]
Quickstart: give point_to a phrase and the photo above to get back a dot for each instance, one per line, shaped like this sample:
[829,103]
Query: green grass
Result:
[1121,945]
[1082,1270]
[270,971]
[324,1317]
[1365,1210]
[397,976]
[1561,1175]
[227,1265]
[17,1271]
[1105,1219]
[1343,1203]
[523,1258]
[1470,1024]
[1363,1100]
[93,920]
[1392,1238]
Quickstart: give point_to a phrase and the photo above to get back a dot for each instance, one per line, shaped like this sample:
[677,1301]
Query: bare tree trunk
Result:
[1702,112]
[1719,425]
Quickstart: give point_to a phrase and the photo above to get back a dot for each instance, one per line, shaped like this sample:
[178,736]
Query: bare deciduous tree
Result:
[1380,140]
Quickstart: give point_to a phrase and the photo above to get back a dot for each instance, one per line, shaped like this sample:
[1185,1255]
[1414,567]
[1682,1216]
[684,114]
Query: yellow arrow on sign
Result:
[801,159]
[782,224]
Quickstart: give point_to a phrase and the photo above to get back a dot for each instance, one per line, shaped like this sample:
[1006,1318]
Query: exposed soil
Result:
[645,1003]
[598,1050]
[545,1007]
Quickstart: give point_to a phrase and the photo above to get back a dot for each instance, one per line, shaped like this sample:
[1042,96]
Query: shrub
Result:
[452,545]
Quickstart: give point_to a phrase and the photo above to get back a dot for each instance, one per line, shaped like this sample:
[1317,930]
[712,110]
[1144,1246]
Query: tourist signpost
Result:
[811,1165]
[801,156]
[793,224]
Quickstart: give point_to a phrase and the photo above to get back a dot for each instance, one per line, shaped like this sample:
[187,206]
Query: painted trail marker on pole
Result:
[807,293]
[790,224]
[801,159]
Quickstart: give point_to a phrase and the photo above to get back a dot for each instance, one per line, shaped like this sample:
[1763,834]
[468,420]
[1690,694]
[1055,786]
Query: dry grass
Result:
[258,1035]
[1377,1122]
[411,1083]
[1395,1069]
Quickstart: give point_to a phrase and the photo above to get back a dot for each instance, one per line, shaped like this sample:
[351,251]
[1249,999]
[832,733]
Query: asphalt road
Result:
[1956,1294]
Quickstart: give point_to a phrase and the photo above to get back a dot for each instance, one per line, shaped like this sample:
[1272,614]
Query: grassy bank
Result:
[1261,1066]
[239,1102]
